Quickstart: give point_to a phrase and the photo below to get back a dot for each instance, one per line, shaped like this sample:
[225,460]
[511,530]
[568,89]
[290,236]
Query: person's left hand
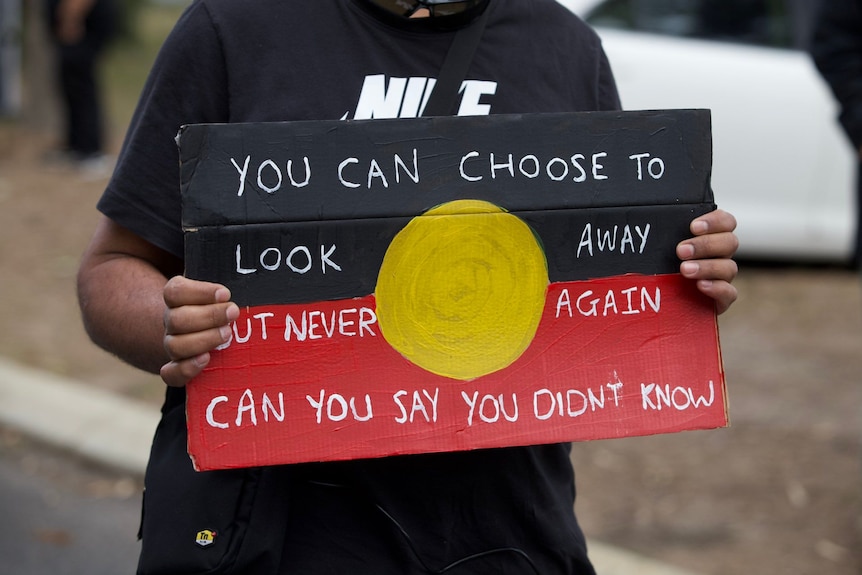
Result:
[707,257]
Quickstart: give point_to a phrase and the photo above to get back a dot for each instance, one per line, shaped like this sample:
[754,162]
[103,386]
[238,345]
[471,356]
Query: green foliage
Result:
[129,13]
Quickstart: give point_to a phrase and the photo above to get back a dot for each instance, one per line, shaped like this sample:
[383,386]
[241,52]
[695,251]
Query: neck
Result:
[419,9]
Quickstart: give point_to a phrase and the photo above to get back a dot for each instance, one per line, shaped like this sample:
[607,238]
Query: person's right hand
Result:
[197,320]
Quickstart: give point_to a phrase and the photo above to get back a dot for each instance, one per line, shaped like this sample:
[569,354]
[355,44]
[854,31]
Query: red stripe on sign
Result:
[613,357]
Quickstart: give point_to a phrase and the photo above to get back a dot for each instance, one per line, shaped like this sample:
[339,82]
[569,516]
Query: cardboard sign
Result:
[442,284]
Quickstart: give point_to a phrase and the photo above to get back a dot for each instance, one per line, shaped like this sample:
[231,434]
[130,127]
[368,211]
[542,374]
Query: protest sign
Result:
[441,284]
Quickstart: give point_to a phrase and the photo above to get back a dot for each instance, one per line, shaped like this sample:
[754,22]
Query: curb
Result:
[85,420]
[117,432]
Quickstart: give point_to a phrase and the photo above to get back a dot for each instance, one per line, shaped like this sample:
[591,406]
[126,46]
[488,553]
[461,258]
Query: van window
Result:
[758,22]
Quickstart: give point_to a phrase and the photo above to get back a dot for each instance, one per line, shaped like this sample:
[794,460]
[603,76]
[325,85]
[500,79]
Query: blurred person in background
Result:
[80,31]
[837,51]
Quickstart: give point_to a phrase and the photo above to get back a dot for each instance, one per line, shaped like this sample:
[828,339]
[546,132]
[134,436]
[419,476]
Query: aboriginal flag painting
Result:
[444,284]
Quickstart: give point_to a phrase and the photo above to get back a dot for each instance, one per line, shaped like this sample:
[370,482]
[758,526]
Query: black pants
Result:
[81,99]
[77,78]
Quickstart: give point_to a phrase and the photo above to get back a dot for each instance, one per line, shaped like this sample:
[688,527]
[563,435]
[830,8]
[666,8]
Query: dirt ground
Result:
[779,492]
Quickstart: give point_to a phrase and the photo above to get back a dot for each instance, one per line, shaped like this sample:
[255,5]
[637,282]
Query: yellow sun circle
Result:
[461,289]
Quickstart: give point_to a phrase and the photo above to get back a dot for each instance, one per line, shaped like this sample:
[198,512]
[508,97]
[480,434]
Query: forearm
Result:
[77,9]
[122,308]
[120,292]
[71,19]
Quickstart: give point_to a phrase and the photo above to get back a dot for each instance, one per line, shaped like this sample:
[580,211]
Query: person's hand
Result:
[72,20]
[707,257]
[197,320]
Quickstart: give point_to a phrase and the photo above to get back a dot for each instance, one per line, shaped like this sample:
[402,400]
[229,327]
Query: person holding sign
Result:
[506,510]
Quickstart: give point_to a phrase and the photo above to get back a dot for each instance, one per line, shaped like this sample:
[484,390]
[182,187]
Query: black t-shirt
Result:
[259,60]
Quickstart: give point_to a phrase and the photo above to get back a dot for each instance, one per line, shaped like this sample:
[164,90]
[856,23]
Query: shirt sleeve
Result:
[608,96]
[187,85]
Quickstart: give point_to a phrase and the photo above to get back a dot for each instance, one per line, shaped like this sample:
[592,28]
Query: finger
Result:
[180,291]
[715,269]
[179,373]
[713,279]
[722,292]
[189,345]
[194,318]
[712,245]
[716,221]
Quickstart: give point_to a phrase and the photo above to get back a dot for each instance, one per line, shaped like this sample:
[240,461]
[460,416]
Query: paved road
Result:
[60,516]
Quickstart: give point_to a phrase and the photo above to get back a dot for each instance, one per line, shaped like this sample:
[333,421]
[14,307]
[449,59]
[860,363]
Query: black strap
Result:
[458,58]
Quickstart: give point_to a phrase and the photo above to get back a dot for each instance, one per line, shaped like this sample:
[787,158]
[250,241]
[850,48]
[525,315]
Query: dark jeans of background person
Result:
[78,82]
